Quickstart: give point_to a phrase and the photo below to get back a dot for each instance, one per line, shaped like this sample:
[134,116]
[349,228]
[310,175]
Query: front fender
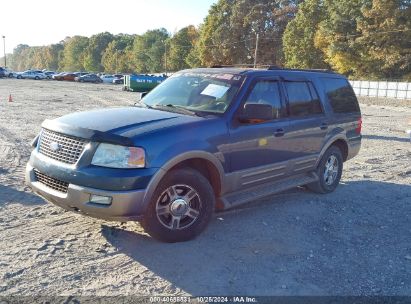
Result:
[198,154]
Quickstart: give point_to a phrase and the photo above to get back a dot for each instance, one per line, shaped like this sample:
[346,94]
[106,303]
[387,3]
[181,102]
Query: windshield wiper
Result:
[176,108]
[142,104]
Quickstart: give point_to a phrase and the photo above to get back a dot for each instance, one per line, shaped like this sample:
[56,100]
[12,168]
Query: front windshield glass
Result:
[204,92]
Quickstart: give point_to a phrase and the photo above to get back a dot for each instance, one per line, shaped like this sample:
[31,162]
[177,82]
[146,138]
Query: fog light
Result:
[101,200]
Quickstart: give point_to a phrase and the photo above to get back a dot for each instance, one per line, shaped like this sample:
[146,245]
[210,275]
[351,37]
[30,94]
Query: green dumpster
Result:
[142,83]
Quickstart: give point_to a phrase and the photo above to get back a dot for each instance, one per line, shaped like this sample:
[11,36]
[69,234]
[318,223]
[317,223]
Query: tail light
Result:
[359,126]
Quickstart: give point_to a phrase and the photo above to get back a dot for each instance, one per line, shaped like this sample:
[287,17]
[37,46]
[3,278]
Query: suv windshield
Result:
[203,92]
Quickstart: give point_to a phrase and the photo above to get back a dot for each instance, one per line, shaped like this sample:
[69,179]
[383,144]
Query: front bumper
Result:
[125,205]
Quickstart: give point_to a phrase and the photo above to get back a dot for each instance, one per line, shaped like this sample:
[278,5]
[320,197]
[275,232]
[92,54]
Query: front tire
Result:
[329,171]
[181,207]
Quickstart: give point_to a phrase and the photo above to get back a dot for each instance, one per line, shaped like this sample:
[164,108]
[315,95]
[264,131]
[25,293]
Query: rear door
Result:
[308,123]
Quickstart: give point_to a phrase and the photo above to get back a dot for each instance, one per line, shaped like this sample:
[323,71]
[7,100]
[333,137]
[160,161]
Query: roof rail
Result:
[250,66]
[303,70]
[271,68]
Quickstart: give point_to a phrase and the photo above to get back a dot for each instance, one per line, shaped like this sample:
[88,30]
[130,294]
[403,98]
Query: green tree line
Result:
[359,38]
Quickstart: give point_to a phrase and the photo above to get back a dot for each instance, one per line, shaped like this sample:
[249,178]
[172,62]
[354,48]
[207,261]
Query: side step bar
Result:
[235,199]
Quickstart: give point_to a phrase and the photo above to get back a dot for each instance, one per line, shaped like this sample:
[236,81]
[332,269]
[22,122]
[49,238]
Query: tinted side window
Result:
[315,100]
[302,98]
[266,92]
[341,95]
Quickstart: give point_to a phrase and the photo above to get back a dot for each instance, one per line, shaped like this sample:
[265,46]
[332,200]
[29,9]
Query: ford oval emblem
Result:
[54,146]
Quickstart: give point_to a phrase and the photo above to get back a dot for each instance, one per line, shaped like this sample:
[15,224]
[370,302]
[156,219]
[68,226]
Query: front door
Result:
[259,152]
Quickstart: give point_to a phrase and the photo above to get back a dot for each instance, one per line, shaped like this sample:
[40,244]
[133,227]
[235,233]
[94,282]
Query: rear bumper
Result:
[354,146]
[125,205]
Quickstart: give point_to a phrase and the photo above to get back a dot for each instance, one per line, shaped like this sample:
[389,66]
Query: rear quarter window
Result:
[340,95]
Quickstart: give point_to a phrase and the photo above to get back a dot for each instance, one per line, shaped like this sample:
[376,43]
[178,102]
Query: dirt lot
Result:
[355,241]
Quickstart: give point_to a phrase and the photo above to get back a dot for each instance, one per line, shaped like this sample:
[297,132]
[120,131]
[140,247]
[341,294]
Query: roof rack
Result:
[302,70]
[250,66]
[270,67]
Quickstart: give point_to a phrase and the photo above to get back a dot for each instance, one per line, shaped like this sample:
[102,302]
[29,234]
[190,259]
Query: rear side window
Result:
[341,95]
[302,99]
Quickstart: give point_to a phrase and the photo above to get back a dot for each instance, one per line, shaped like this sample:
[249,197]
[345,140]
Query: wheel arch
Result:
[343,146]
[339,141]
[204,162]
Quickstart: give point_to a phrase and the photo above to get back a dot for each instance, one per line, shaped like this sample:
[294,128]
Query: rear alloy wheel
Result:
[181,207]
[37,78]
[329,171]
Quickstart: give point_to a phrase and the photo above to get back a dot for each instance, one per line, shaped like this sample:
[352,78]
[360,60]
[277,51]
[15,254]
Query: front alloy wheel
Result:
[181,206]
[178,207]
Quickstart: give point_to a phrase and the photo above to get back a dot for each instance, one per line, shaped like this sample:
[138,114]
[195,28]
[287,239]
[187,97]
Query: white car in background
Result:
[9,73]
[107,78]
[37,75]
[49,74]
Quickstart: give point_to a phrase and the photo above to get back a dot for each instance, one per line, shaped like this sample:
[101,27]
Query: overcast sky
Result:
[42,22]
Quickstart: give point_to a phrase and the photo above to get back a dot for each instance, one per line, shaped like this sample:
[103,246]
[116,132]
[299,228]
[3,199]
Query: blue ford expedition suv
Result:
[204,140]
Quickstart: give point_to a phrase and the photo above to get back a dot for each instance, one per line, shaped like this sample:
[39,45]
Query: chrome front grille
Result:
[61,147]
[51,182]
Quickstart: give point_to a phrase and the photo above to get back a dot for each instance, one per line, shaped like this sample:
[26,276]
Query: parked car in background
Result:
[107,78]
[89,78]
[65,76]
[118,80]
[8,73]
[2,72]
[49,74]
[69,77]
[59,76]
[78,74]
[31,74]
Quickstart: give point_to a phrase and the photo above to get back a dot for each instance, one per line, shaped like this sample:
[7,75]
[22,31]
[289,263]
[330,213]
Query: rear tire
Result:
[181,207]
[329,171]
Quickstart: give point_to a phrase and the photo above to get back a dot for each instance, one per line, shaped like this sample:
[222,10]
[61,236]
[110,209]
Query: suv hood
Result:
[118,122]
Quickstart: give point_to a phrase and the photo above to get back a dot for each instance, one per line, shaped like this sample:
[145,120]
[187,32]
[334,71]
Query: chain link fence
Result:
[388,89]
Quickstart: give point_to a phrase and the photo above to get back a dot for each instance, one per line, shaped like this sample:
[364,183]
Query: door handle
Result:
[279,132]
[324,126]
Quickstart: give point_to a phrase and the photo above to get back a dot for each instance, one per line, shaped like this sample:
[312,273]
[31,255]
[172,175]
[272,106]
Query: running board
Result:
[235,199]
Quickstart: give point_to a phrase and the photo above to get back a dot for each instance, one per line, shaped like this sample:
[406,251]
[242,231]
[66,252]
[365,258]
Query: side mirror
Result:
[256,112]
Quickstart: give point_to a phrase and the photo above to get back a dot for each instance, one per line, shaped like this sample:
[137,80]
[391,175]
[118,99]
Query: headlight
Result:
[114,156]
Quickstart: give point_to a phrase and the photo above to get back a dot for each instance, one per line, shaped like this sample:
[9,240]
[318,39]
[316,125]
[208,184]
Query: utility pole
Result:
[165,56]
[256,51]
[116,62]
[4,49]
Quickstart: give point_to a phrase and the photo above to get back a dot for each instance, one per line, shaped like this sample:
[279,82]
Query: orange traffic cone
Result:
[10,98]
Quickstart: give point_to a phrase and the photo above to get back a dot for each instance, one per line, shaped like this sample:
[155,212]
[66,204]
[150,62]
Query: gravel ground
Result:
[355,241]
